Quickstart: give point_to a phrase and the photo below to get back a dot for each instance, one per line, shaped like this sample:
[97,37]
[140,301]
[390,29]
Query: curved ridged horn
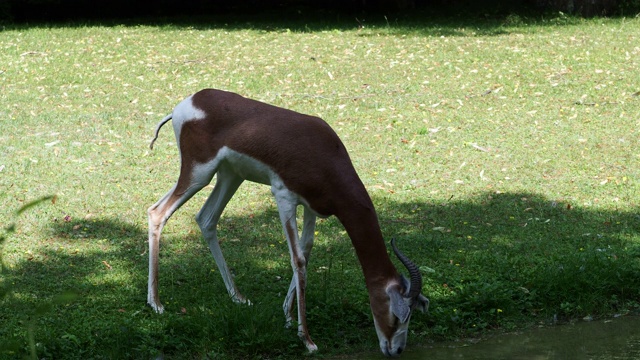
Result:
[414,273]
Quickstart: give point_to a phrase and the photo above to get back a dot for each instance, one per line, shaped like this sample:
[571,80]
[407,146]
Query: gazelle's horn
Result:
[414,273]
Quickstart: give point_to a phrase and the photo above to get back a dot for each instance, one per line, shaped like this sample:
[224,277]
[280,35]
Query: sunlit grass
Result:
[500,155]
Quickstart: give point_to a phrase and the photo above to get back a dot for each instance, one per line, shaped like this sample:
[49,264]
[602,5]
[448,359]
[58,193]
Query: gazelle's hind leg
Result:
[227,183]
[189,183]
[305,243]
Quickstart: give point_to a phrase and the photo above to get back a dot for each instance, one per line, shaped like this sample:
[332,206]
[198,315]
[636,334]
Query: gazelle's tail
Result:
[160,124]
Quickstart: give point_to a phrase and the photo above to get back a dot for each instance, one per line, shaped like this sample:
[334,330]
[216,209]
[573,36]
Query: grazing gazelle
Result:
[305,163]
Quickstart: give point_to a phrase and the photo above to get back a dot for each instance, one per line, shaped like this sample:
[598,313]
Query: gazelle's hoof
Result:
[306,339]
[156,306]
[311,347]
[239,299]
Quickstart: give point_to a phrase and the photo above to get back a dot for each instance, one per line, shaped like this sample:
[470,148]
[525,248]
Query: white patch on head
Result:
[399,315]
[398,341]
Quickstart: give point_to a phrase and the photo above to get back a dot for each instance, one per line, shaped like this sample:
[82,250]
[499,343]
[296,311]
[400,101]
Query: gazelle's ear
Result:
[399,304]
[421,303]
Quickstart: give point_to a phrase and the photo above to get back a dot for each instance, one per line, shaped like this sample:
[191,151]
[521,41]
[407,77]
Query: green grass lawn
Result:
[502,155]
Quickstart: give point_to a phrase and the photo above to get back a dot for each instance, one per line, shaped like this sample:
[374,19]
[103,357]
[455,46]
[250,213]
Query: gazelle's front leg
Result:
[227,183]
[305,243]
[287,203]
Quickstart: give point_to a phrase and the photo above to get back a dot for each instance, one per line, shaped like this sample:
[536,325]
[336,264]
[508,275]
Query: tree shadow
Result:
[424,21]
[483,258]
[517,254]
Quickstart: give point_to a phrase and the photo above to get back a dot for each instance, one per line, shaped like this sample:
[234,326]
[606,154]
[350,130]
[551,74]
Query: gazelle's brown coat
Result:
[305,163]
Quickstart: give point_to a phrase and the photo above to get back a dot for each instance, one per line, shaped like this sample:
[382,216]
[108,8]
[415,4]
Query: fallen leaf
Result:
[428,270]
[478,147]
[107,265]
[440,228]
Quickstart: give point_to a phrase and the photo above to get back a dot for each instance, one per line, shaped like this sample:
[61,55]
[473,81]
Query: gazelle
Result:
[305,163]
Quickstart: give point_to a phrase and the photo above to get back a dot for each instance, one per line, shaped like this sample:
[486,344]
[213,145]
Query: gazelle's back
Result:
[281,139]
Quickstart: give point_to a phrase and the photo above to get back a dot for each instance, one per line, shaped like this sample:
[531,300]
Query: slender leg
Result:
[305,243]
[159,214]
[287,203]
[189,183]
[287,307]
[226,185]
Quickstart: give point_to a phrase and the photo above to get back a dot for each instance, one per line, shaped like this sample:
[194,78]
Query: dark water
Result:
[617,338]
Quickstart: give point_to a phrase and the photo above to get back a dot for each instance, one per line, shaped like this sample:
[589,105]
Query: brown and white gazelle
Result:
[305,163]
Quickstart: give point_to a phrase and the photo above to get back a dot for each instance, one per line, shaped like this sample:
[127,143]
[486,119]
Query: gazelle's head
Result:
[393,308]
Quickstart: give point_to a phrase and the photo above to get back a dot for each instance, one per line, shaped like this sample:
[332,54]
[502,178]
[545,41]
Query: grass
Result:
[502,154]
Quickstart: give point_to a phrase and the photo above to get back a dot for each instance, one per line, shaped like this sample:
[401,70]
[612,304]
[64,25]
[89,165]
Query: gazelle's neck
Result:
[361,223]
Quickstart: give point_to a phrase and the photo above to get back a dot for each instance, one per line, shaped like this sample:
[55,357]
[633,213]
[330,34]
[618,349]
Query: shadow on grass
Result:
[489,262]
[423,22]
[504,260]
